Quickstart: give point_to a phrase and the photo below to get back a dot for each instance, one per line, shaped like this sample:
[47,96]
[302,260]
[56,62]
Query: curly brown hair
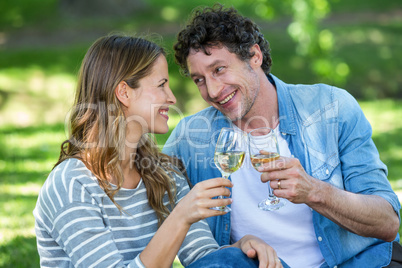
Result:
[219,26]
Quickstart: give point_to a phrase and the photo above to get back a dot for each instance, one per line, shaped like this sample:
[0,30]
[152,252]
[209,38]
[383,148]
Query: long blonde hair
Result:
[97,122]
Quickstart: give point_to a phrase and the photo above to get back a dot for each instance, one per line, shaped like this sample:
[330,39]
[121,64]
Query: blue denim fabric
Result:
[227,258]
[329,134]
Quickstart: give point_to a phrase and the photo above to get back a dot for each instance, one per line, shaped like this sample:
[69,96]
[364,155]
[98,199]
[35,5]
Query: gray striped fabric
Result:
[77,225]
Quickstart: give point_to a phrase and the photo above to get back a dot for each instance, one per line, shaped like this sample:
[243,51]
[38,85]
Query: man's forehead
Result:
[199,59]
[207,49]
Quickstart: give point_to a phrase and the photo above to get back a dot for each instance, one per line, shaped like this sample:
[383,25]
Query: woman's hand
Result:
[255,247]
[196,205]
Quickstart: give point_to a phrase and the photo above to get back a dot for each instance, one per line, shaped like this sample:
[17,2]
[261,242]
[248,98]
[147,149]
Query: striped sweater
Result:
[77,225]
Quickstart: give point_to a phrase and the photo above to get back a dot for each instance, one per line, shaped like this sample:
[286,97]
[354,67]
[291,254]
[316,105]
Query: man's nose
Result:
[214,87]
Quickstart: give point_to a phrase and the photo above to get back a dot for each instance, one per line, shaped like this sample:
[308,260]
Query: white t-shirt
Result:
[288,230]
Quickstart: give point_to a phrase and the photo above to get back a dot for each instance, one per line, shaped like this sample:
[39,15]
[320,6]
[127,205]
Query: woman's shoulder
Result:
[68,180]
[71,169]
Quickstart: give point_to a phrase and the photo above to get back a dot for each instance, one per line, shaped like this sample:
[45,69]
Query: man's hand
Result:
[361,214]
[289,180]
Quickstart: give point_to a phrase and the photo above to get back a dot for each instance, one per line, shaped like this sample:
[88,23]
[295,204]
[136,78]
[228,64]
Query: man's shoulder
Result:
[312,101]
[310,91]
[316,93]
[318,96]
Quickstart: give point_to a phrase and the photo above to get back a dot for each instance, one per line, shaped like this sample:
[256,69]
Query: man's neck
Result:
[264,112]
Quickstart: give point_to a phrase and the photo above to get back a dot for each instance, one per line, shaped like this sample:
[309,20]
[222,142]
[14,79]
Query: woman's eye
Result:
[163,84]
[219,69]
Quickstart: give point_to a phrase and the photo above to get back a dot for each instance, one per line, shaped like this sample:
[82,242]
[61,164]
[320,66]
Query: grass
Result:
[28,154]
[27,157]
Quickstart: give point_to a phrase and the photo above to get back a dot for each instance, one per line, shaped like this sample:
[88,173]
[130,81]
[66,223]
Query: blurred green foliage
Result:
[15,14]
[353,46]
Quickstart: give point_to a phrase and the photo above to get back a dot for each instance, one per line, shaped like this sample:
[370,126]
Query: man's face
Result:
[224,81]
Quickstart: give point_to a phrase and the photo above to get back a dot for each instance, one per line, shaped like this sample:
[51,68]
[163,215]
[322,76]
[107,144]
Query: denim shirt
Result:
[329,134]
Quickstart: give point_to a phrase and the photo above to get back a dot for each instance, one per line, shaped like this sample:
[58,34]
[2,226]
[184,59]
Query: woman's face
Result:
[148,109]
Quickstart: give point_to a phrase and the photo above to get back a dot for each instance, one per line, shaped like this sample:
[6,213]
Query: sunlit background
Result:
[355,45]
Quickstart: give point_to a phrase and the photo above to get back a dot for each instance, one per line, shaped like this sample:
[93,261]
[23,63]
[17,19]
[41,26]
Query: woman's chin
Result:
[160,130]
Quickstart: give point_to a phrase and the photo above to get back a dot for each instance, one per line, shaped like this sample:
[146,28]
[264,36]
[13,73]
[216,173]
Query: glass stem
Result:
[270,192]
[271,195]
[225,176]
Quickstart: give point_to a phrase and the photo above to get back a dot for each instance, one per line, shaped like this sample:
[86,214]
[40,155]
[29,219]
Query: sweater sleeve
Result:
[70,226]
[199,240]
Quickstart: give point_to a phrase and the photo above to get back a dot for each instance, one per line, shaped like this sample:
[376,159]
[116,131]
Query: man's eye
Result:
[198,81]
[219,69]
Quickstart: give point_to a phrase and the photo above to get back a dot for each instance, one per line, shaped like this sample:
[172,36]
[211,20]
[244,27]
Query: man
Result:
[340,208]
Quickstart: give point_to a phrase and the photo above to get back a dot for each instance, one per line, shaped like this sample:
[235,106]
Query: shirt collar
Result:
[286,111]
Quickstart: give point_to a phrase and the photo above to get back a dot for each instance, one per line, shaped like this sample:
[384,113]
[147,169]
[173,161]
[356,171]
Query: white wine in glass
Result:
[229,162]
[259,159]
[263,148]
[227,156]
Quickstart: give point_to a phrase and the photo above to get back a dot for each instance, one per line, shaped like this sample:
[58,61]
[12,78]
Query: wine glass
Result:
[228,156]
[263,148]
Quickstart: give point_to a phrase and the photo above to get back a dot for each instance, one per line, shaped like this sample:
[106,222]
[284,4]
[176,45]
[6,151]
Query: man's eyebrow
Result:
[192,75]
[213,64]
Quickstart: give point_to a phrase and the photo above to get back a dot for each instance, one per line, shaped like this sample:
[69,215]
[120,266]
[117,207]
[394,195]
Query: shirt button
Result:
[283,133]
[320,238]
[335,266]
[311,209]
[327,171]
[226,227]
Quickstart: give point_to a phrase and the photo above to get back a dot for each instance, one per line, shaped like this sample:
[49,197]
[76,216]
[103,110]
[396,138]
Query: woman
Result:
[112,199]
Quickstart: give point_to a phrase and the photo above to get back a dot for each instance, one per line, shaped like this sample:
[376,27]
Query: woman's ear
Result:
[122,93]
